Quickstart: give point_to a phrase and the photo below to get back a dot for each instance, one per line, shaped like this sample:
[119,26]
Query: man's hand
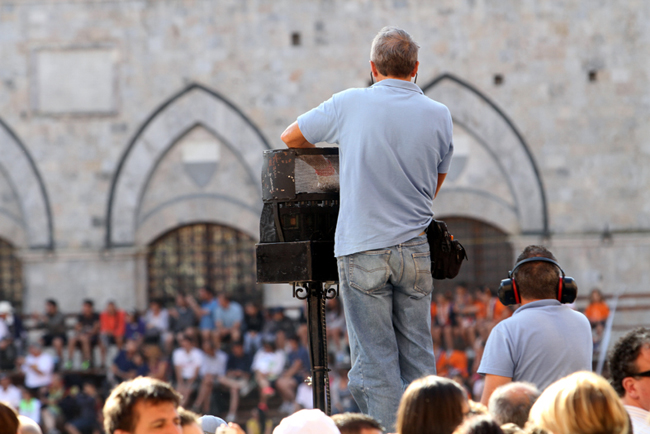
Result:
[293,137]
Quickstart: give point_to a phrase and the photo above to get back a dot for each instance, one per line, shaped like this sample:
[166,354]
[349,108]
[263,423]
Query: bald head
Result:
[28,426]
[512,402]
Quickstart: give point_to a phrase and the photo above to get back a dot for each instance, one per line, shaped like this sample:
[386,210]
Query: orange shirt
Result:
[481,309]
[112,324]
[457,359]
[597,312]
[499,310]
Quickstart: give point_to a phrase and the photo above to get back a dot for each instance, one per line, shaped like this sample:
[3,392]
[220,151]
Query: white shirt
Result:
[45,363]
[270,364]
[214,365]
[11,395]
[639,416]
[188,362]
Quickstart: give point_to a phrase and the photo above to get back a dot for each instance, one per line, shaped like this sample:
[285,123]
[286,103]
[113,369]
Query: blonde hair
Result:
[581,403]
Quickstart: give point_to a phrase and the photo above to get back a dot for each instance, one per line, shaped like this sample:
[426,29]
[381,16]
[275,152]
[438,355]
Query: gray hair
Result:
[394,52]
[512,402]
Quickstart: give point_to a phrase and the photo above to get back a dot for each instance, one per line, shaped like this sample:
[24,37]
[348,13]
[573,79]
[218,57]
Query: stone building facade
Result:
[121,121]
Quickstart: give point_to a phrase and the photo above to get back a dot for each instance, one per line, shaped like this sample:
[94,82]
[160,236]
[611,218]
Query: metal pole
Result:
[317,344]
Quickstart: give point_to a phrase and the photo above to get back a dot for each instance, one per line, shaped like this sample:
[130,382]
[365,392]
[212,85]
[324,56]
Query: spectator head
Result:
[87,307]
[28,426]
[537,280]
[479,425]
[629,364]
[131,345]
[140,406]
[6,309]
[224,299]
[511,403]
[431,405]
[581,403]
[209,423]
[394,52]
[189,421]
[237,348]
[595,296]
[206,294]
[5,381]
[307,422]
[357,423]
[111,307]
[8,419]
[186,342]
[155,305]
[268,344]
[180,300]
[51,306]
[207,346]
[35,348]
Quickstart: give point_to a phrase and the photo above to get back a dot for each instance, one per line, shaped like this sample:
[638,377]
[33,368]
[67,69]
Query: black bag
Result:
[447,254]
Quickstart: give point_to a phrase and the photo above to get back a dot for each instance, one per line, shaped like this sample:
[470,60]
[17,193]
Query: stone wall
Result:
[110,103]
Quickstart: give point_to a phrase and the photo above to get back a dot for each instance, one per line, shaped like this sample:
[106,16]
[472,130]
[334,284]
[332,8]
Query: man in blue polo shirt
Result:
[543,340]
[395,147]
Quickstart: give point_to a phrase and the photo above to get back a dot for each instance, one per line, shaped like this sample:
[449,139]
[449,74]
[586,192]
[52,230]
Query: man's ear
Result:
[415,70]
[373,68]
[630,387]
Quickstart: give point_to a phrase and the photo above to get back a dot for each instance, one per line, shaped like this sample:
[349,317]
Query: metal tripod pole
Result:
[316,294]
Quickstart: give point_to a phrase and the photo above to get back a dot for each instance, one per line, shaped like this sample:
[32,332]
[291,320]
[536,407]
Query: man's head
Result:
[87,307]
[512,402]
[394,53]
[357,423]
[35,349]
[189,421]
[537,280]
[5,381]
[224,300]
[111,308]
[51,306]
[629,358]
[141,406]
[206,294]
[28,426]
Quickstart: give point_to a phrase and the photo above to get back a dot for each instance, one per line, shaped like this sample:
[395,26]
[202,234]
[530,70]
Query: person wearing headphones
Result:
[544,340]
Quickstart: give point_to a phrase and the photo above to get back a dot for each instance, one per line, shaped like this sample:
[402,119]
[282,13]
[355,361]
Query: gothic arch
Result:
[521,205]
[29,221]
[194,106]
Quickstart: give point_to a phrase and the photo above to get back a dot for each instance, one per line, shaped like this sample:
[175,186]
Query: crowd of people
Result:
[213,347]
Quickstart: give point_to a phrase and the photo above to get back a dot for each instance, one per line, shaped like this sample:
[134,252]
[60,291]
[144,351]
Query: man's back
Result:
[393,142]
[542,342]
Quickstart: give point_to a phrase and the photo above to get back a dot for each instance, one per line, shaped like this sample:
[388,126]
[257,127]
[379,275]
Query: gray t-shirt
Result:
[542,342]
[393,141]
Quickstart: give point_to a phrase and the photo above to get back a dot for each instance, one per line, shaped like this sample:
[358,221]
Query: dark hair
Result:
[537,280]
[511,403]
[52,302]
[480,425]
[89,302]
[394,52]
[431,405]
[118,409]
[187,417]
[8,419]
[353,423]
[622,357]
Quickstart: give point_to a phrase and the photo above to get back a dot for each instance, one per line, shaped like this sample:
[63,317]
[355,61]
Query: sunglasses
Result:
[640,374]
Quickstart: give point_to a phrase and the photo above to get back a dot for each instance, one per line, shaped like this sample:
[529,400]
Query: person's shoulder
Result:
[436,106]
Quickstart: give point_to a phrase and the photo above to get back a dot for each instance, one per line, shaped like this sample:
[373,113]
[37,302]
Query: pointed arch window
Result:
[11,276]
[203,255]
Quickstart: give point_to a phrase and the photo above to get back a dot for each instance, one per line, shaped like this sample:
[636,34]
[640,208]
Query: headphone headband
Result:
[535,259]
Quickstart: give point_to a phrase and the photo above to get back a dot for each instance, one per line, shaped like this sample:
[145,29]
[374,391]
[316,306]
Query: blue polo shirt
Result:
[540,343]
[393,141]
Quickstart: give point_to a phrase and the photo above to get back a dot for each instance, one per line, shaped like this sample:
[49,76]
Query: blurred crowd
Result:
[216,352]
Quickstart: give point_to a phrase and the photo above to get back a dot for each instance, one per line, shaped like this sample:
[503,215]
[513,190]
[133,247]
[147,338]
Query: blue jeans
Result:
[387,297]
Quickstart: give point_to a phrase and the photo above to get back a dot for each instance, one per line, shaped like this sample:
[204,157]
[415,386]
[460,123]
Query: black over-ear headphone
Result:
[566,291]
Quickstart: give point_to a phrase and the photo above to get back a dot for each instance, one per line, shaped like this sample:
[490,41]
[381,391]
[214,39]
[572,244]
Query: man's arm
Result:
[491,383]
[441,179]
[293,137]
